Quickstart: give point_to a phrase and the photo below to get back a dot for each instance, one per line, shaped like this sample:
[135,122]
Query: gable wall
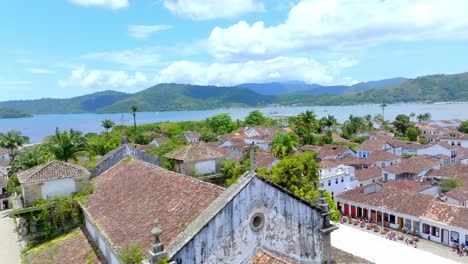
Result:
[291,228]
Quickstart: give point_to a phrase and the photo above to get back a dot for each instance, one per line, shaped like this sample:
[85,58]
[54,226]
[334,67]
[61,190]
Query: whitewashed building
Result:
[336,177]
[53,179]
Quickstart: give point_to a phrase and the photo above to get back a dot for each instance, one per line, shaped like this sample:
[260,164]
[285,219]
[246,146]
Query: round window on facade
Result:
[257,222]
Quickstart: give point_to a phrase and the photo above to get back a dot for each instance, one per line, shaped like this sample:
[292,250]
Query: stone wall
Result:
[31,193]
[116,155]
[289,227]
[81,183]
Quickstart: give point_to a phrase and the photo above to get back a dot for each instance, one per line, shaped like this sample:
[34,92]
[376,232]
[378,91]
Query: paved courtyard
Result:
[9,245]
[378,249]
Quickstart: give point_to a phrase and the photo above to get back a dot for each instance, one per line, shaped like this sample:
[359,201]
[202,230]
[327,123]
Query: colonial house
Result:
[55,178]
[265,159]
[185,220]
[192,137]
[367,147]
[456,139]
[423,214]
[457,196]
[4,167]
[3,195]
[197,159]
[329,152]
[336,177]
[4,154]
[422,187]
[368,176]
[457,170]
[400,147]
[437,149]
[122,152]
[412,168]
[376,158]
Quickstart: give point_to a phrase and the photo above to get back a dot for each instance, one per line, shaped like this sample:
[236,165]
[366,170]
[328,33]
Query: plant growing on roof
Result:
[131,254]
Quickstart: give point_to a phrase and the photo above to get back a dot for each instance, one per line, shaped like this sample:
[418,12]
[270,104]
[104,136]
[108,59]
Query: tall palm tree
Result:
[383,110]
[68,145]
[134,110]
[33,158]
[107,124]
[12,140]
[284,144]
[412,115]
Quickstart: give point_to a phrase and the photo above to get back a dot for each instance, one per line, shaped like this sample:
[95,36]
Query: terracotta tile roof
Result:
[310,148]
[266,257]
[415,203]
[195,152]
[131,195]
[366,174]
[406,144]
[4,163]
[408,185]
[263,159]
[327,164]
[413,165]
[72,248]
[459,193]
[447,214]
[53,170]
[457,170]
[3,151]
[372,145]
[337,138]
[331,151]
[162,140]
[381,155]
[351,161]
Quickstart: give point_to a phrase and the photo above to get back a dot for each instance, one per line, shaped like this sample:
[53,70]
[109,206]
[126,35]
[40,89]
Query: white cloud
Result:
[40,70]
[113,4]
[80,77]
[133,58]
[144,31]
[326,24]
[272,70]
[212,9]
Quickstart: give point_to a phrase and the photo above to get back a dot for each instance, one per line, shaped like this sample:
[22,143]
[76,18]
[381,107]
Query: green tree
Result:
[328,121]
[335,216]
[232,172]
[221,123]
[412,134]
[424,117]
[353,125]
[383,106]
[107,124]
[30,159]
[463,127]
[284,144]
[412,115]
[208,136]
[255,118]
[401,123]
[67,145]
[298,174]
[13,186]
[305,126]
[134,109]
[12,140]
[450,184]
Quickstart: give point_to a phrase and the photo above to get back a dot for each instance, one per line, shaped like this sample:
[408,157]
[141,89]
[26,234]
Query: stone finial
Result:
[157,251]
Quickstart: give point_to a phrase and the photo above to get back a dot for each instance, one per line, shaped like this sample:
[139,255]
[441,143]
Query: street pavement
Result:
[9,245]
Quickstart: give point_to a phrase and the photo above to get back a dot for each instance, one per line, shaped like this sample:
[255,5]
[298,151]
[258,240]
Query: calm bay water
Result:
[37,127]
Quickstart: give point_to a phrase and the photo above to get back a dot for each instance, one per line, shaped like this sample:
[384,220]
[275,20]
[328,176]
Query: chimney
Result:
[157,251]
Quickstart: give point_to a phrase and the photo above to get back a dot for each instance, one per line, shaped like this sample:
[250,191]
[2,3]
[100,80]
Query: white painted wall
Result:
[457,142]
[58,188]
[206,167]
[339,179]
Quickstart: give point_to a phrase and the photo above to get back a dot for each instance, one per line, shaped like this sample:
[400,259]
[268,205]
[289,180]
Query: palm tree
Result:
[67,145]
[306,124]
[107,124]
[33,158]
[424,117]
[12,140]
[329,121]
[284,144]
[412,115]
[134,109]
[383,110]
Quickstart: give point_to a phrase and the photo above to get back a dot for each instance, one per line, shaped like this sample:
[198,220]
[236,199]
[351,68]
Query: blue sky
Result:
[64,48]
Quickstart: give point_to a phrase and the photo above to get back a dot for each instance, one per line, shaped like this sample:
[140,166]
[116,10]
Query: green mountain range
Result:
[174,97]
